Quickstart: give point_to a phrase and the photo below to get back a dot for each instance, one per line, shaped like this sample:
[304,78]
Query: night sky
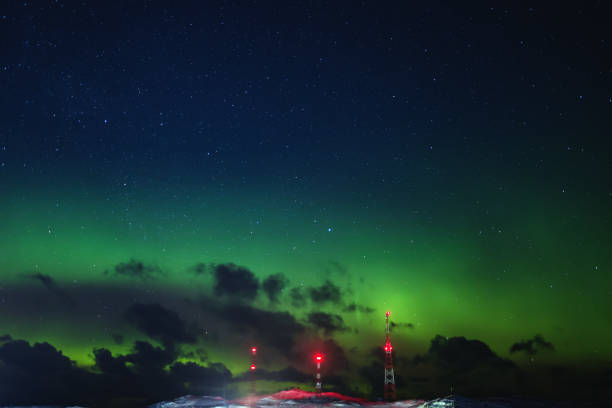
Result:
[179,182]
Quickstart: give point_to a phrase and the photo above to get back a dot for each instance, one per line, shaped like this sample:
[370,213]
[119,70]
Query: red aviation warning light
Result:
[388,347]
[387,314]
[318,358]
[252,369]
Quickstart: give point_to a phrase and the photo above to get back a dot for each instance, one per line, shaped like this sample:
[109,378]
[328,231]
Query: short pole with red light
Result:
[318,357]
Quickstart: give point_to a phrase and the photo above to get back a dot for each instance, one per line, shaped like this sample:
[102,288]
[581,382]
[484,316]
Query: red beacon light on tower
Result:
[253,367]
[388,347]
[388,313]
[318,358]
[253,350]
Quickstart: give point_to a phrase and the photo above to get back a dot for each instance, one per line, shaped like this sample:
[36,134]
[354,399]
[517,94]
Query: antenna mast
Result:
[389,390]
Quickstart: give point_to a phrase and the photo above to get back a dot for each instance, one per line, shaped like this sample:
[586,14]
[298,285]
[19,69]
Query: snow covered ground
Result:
[303,399]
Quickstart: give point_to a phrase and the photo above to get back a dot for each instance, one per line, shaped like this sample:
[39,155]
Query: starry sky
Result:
[179,182]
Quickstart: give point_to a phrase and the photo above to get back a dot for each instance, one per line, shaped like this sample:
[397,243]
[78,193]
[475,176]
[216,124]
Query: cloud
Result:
[137,270]
[288,374]
[235,281]
[151,373]
[38,374]
[273,285]
[200,354]
[297,297]
[328,292]
[201,379]
[52,287]
[329,323]
[394,325]
[159,323]
[462,354]
[354,307]
[532,346]
[276,329]
[335,359]
[199,269]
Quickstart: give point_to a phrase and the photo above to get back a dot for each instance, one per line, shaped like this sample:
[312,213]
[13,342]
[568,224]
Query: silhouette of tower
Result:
[389,390]
[318,357]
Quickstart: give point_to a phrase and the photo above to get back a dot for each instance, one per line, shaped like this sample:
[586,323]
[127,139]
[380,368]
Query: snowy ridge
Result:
[304,399]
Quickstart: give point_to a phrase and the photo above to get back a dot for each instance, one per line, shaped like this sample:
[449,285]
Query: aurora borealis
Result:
[179,182]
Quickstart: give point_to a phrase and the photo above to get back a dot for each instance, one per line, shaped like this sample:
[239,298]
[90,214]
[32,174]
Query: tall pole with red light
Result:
[318,357]
[252,368]
[389,390]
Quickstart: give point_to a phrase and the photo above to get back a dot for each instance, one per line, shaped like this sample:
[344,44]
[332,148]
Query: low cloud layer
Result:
[159,323]
[532,346]
[50,284]
[329,323]
[137,270]
[171,342]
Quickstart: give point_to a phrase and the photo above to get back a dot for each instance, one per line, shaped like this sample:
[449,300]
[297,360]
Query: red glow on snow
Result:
[297,394]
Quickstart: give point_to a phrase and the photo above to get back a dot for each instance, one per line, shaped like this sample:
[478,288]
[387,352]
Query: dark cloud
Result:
[297,297]
[276,329]
[147,358]
[200,379]
[393,325]
[328,292]
[199,269]
[354,307]
[197,354]
[329,323]
[273,285]
[470,367]
[462,354]
[160,323]
[290,374]
[235,281]
[5,337]
[40,374]
[107,364]
[238,321]
[117,338]
[149,373]
[532,346]
[335,358]
[137,270]
[52,287]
